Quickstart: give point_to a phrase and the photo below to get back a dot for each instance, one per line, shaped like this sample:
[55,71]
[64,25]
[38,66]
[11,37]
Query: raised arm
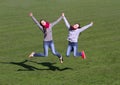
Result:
[35,20]
[85,27]
[66,21]
[55,22]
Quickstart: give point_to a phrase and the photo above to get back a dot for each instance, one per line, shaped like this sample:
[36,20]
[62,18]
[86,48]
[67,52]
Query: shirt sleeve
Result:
[85,27]
[38,24]
[55,22]
[66,22]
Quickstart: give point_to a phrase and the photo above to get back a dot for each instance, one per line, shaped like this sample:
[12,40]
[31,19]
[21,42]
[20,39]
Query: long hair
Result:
[41,23]
[72,28]
[47,24]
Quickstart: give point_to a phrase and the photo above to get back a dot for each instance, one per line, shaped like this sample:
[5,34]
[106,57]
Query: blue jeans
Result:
[46,45]
[73,47]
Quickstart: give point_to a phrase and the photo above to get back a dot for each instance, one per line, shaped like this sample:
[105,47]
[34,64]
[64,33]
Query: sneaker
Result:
[61,59]
[83,55]
[31,55]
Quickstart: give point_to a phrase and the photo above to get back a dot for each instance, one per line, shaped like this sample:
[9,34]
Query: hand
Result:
[63,14]
[30,14]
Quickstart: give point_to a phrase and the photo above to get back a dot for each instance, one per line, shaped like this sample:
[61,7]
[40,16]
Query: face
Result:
[43,22]
[76,26]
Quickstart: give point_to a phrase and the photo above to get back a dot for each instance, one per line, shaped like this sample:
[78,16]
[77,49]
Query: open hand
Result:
[30,14]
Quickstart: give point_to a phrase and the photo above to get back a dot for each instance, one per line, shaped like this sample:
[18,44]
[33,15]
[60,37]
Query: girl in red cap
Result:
[46,28]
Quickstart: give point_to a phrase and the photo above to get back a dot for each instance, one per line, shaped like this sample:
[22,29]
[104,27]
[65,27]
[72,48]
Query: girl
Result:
[73,35]
[46,28]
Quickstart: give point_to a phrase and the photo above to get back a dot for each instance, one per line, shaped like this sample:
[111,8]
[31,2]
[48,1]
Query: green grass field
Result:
[19,36]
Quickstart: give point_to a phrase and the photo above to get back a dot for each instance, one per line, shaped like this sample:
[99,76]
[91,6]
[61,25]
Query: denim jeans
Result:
[46,45]
[73,47]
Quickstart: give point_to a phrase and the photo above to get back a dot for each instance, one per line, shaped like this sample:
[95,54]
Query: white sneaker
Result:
[31,55]
[61,59]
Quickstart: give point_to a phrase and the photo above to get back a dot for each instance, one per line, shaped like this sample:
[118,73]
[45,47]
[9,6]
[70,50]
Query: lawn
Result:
[19,36]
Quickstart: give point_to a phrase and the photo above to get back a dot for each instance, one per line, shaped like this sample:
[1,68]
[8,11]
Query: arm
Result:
[55,22]
[85,27]
[34,19]
[66,21]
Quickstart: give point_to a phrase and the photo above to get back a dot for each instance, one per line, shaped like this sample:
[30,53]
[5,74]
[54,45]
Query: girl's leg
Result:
[75,48]
[52,47]
[69,49]
[76,53]
[45,46]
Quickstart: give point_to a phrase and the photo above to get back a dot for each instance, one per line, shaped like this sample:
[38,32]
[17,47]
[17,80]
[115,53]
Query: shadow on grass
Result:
[51,66]
[33,68]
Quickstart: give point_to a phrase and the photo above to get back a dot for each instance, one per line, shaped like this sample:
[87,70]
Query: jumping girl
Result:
[46,28]
[73,35]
